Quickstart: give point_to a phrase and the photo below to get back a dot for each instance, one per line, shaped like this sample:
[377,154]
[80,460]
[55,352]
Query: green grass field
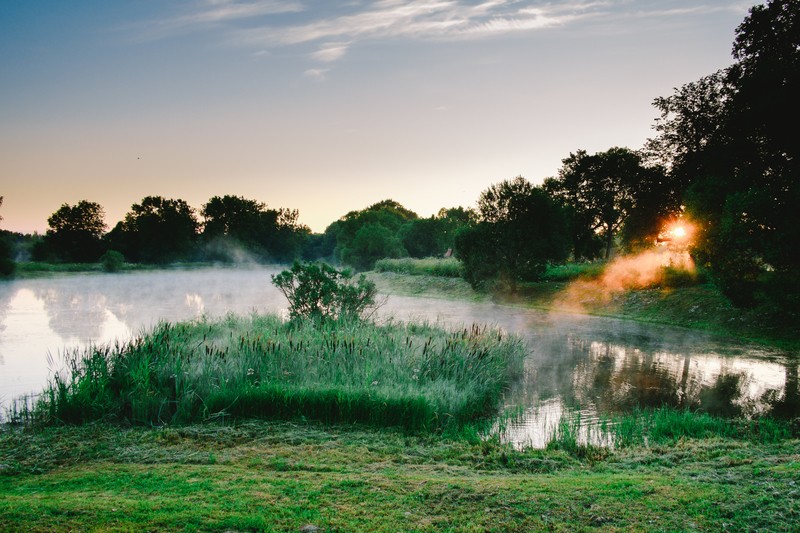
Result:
[269,476]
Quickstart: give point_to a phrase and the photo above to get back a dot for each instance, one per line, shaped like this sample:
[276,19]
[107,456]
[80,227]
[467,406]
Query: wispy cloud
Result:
[339,26]
[329,52]
[317,74]
[210,13]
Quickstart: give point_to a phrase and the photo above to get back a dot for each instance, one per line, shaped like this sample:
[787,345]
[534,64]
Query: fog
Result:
[597,365]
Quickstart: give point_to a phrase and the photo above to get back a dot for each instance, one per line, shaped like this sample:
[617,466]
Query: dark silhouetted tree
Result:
[601,191]
[731,138]
[233,222]
[75,232]
[157,230]
[7,265]
[520,229]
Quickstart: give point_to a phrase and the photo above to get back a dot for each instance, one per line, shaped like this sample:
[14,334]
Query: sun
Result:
[676,234]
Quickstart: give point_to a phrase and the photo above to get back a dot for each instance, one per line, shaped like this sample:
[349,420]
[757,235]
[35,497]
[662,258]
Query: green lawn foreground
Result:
[278,476]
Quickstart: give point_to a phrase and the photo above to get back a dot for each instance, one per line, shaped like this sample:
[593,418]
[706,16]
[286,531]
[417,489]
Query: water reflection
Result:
[595,365]
[592,367]
[41,319]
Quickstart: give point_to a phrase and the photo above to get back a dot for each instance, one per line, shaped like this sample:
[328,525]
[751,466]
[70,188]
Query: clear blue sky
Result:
[328,106]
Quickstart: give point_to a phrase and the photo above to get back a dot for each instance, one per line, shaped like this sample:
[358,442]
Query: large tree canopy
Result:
[75,232]
[157,230]
[362,237]
[233,222]
[520,229]
[730,140]
[602,190]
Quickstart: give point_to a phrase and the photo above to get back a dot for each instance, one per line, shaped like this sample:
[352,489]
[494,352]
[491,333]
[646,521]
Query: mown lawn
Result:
[258,476]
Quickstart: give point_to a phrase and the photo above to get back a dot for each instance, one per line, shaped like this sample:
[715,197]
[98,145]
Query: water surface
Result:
[594,365]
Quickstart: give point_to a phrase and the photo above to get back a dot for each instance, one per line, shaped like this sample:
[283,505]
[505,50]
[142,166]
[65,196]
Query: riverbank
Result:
[285,476]
[699,306]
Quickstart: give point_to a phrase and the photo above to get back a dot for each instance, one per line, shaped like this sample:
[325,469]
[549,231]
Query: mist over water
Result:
[592,365]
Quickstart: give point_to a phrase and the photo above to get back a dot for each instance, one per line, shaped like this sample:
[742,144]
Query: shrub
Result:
[112,261]
[319,291]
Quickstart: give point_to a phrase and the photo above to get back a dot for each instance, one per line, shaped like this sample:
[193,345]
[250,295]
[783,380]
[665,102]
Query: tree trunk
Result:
[609,243]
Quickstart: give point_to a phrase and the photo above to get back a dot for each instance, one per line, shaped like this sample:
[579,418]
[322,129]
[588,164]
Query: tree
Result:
[320,292]
[362,237]
[232,216]
[520,229]
[75,232]
[7,265]
[157,230]
[236,222]
[730,139]
[601,191]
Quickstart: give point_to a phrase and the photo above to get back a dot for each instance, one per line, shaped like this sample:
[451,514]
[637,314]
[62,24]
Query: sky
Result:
[329,106]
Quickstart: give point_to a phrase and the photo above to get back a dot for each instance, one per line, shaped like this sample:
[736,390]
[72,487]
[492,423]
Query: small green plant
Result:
[320,292]
[112,261]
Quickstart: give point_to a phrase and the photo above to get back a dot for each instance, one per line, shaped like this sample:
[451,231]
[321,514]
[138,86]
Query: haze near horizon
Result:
[328,107]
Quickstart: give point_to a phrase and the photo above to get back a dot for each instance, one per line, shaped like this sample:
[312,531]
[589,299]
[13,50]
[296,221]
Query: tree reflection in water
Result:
[596,365]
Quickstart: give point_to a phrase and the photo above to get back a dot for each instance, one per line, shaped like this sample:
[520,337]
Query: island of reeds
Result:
[325,363]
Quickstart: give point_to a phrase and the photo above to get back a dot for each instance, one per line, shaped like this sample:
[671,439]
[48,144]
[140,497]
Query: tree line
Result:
[724,155]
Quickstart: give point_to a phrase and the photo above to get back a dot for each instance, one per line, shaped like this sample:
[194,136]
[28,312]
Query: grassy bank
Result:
[255,476]
[410,375]
[31,269]
[678,299]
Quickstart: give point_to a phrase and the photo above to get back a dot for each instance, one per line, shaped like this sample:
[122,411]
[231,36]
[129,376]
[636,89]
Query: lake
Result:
[587,365]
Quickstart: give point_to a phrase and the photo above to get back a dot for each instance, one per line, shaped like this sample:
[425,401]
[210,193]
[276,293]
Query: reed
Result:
[658,427]
[411,375]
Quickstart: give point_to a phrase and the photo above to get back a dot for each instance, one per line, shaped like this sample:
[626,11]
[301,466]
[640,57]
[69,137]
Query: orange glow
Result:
[676,234]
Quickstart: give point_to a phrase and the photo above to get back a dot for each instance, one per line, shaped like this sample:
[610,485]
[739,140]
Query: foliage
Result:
[520,229]
[414,376]
[75,232]
[603,190]
[372,241]
[112,261]
[233,224]
[434,236]
[320,292]
[362,237]
[729,138]
[7,265]
[157,230]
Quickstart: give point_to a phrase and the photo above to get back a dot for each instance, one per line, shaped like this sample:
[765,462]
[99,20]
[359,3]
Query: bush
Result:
[112,261]
[319,291]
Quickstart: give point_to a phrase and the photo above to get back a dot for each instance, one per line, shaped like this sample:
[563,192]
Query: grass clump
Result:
[449,267]
[664,426]
[668,425]
[572,271]
[411,375]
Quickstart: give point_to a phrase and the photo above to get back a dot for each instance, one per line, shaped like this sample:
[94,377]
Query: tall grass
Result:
[411,375]
[659,426]
[572,271]
[433,266]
